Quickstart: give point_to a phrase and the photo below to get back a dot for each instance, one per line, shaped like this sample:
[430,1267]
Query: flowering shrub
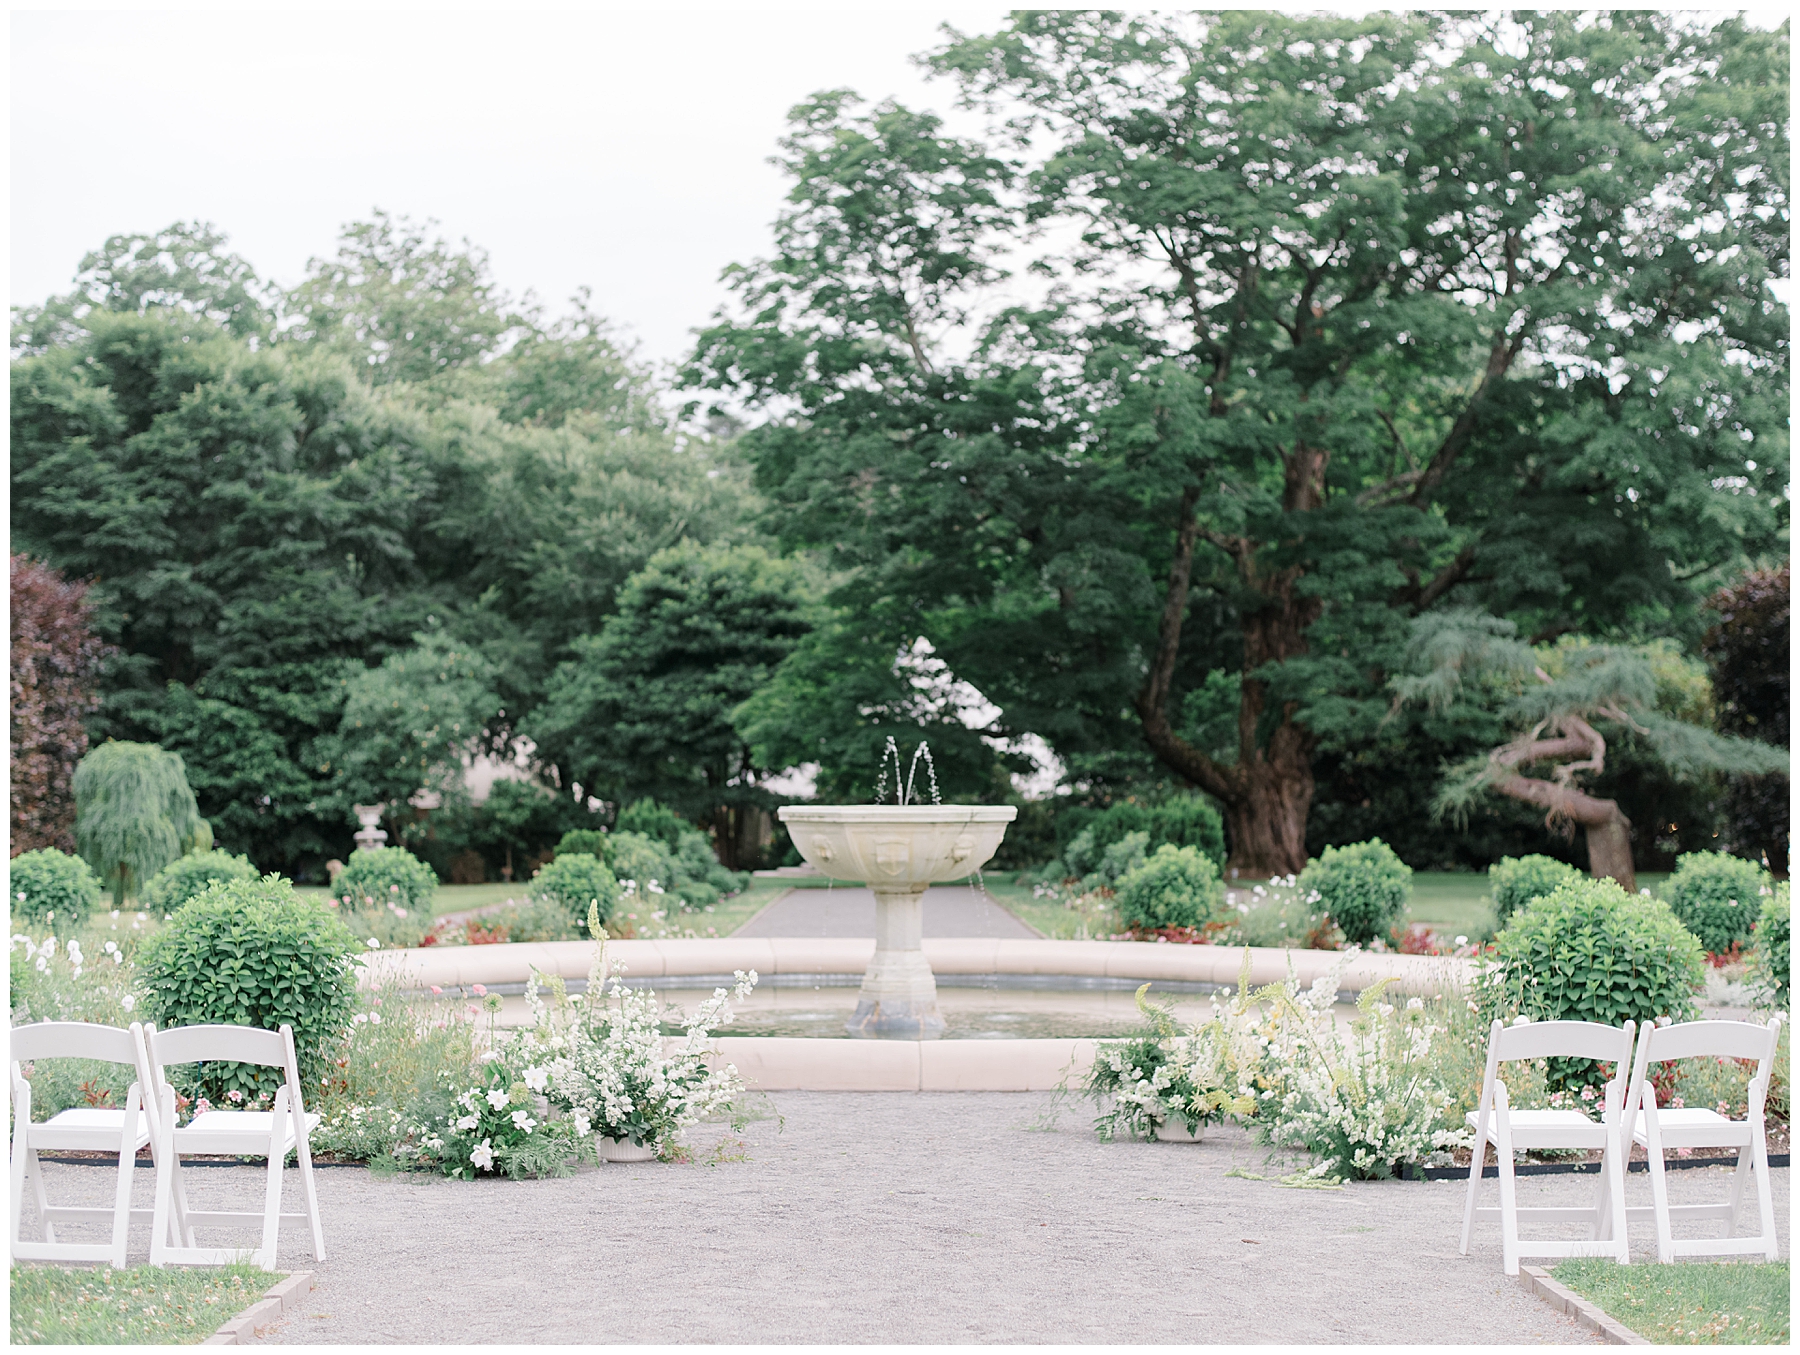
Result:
[377,877]
[617,1078]
[1772,957]
[72,980]
[1282,913]
[1364,886]
[185,877]
[52,887]
[1718,897]
[1361,1104]
[492,1123]
[1161,1075]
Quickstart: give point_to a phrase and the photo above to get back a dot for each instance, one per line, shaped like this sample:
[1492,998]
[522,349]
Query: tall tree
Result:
[1558,721]
[56,661]
[1349,319]
[644,708]
[1748,651]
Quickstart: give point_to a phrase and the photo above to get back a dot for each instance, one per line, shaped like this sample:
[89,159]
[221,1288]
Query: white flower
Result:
[482,1155]
[1520,1020]
[498,1098]
[1462,940]
[537,1079]
[522,1118]
[128,1002]
[374,944]
[1415,1004]
[468,1122]
[374,1018]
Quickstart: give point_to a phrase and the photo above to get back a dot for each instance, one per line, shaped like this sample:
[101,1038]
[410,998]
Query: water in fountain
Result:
[903,792]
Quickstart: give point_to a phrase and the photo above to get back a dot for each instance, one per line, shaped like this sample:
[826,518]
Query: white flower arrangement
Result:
[616,1071]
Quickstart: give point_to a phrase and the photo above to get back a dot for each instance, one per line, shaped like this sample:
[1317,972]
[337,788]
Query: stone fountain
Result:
[897,850]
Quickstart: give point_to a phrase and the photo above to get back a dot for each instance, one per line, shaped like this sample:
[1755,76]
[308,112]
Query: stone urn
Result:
[897,850]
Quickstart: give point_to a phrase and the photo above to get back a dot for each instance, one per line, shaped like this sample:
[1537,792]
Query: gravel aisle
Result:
[908,1218]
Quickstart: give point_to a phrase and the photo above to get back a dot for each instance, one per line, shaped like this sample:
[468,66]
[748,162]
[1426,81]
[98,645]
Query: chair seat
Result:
[1694,1127]
[236,1131]
[1529,1119]
[91,1127]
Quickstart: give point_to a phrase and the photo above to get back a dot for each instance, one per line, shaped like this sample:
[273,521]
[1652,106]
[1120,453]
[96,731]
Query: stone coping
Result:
[512,962]
[785,1064]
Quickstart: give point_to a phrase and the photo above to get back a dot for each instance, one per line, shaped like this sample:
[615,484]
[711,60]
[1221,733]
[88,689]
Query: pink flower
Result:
[235,1095]
[1677,1103]
[480,990]
[436,990]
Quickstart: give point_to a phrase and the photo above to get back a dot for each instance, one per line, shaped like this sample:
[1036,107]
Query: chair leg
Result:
[303,1151]
[1613,1210]
[1477,1159]
[122,1195]
[1509,1200]
[272,1201]
[16,1174]
[45,1228]
[1759,1151]
[1739,1179]
[1659,1198]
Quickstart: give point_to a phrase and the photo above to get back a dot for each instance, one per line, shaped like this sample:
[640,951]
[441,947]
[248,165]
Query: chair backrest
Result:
[1706,1039]
[1562,1039]
[234,1044]
[1716,1039]
[72,1040]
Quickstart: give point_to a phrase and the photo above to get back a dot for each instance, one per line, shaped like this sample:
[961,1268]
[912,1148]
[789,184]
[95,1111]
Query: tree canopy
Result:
[1345,320]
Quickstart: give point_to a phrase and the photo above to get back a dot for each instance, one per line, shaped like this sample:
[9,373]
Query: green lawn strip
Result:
[449,898]
[1691,1303]
[729,914]
[143,1306]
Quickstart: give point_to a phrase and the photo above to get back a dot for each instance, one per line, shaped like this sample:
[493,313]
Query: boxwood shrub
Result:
[1364,887]
[1515,881]
[53,887]
[252,953]
[1175,887]
[575,881]
[586,841]
[182,879]
[1772,956]
[1718,897]
[1589,951]
[378,876]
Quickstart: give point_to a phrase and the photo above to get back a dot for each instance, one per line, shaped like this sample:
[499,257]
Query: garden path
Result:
[849,910]
[910,1218]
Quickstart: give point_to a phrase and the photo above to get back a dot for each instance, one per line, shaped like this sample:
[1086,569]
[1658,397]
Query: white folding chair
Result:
[272,1133]
[1660,1128]
[122,1130]
[1509,1130]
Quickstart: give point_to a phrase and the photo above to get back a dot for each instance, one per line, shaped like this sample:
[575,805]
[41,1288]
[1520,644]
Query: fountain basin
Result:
[897,850]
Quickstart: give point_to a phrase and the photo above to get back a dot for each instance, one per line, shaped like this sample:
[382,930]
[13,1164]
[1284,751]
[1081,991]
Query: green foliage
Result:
[1747,651]
[134,813]
[645,707]
[252,953]
[265,527]
[1348,382]
[52,887]
[1364,886]
[652,820]
[636,856]
[407,725]
[179,881]
[1774,960]
[1589,951]
[378,876]
[1181,821]
[576,881]
[1516,881]
[1718,898]
[587,841]
[1689,1302]
[1175,887]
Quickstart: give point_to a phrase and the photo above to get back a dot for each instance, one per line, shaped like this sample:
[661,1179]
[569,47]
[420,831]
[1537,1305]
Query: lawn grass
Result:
[1458,903]
[449,898]
[730,914]
[1047,916]
[1691,1303]
[143,1306]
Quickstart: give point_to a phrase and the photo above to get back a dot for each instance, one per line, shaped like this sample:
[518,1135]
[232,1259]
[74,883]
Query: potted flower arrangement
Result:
[1164,1084]
[617,1076]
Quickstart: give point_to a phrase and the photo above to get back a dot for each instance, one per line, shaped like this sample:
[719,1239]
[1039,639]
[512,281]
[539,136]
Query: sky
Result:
[627,152]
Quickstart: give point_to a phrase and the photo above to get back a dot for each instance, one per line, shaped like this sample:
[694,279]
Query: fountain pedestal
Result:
[897,851]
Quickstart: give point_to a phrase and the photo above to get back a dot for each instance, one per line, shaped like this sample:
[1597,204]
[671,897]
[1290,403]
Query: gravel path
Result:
[907,1218]
[849,910]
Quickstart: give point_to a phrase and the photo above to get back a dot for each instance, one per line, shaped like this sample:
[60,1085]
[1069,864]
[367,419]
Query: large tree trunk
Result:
[1609,850]
[1608,830]
[1268,791]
